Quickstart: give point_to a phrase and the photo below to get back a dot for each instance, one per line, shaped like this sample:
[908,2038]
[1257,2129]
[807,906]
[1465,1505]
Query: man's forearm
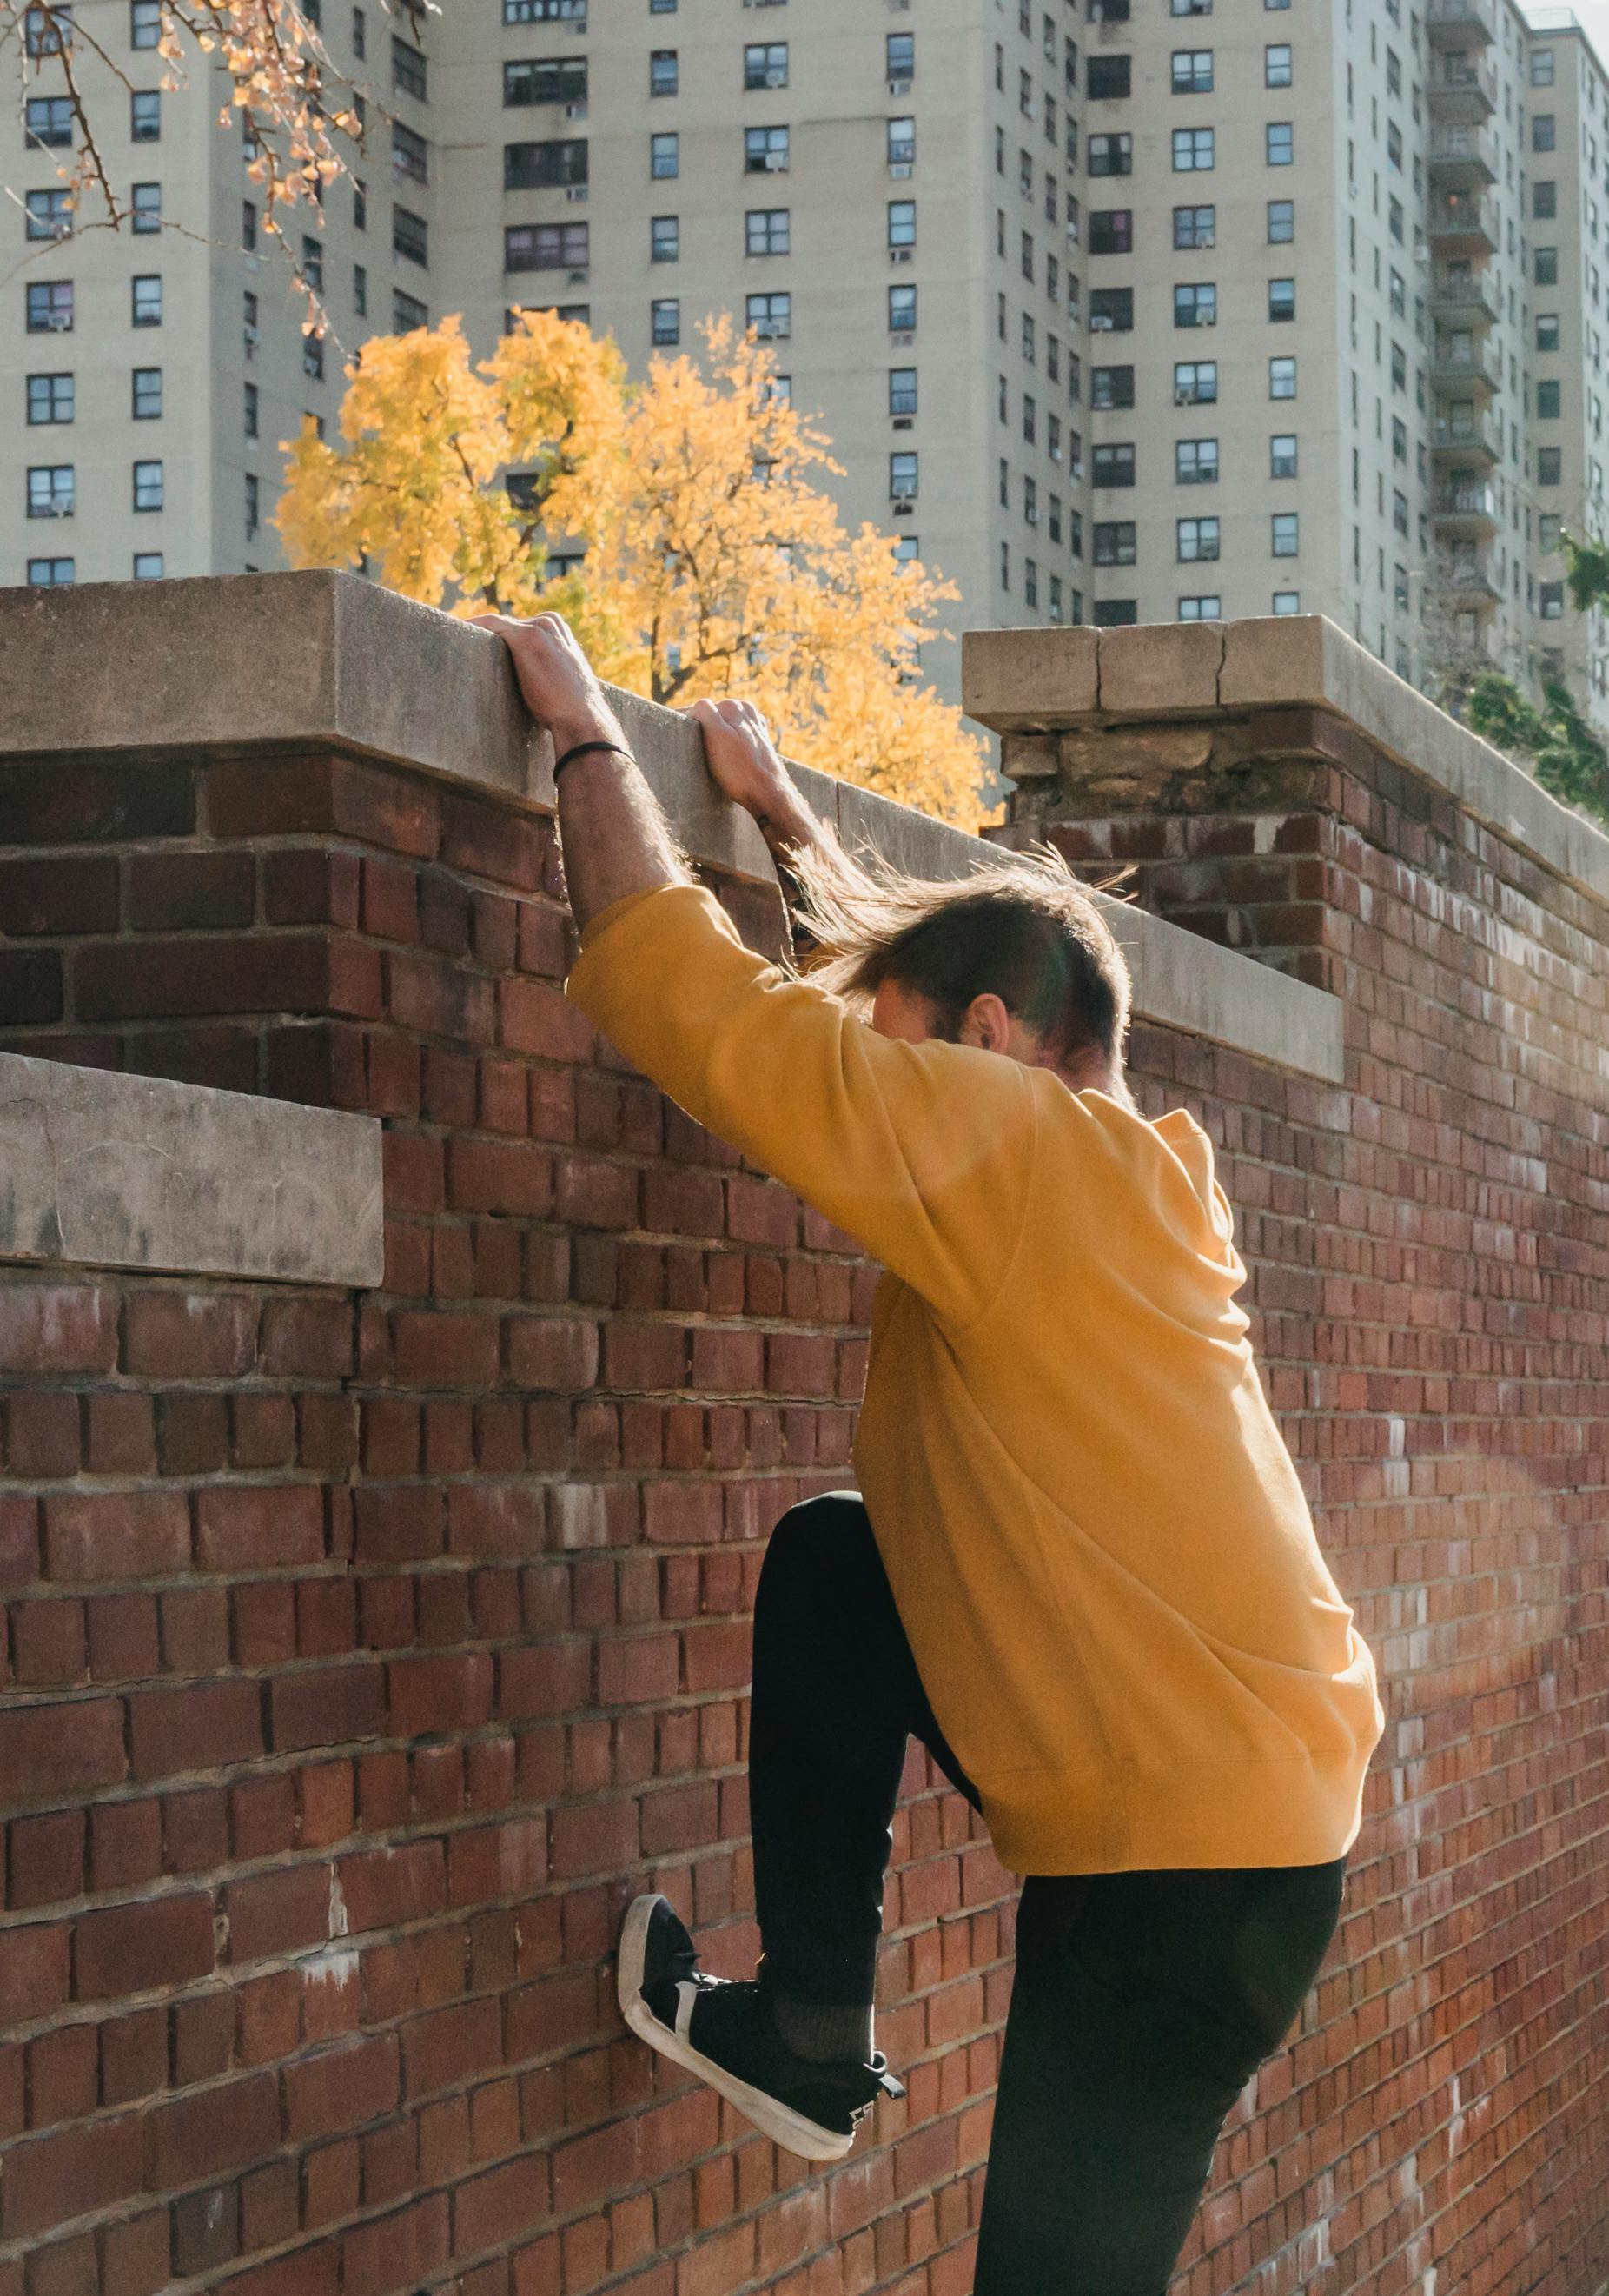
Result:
[613,834]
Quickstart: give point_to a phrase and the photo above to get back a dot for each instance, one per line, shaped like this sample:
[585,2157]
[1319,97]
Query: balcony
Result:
[1461,158]
[1462,223]
[1460,86]
[1465,578]
[1463,297]
[1476,364]
[1459,23]
[1467,438]
[1464,506]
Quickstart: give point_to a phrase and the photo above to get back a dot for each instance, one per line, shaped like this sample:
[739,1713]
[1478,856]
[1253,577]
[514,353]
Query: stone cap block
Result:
[108,1170]
[1029,681]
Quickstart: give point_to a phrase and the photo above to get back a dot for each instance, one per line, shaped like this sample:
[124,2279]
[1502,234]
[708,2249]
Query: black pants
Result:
[1143,2002]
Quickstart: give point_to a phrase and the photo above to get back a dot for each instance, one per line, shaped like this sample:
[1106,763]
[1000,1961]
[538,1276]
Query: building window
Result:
[901,390]
[410,71]
[410,153]
[50,306]
[1112,386]
[1111,232]
[1031,582]
[666,315]
[49,214]
[902,223]
[146,116]
[1112,542]
[545,79]
[148,485]
[1282,378]
[360,290]
[50,399]
[1030,419]
[1196,461]
[144,23]
[899,58]
[1545,201]
[251,501]
[1287,602]
[1196,305]
[51,491]
[1281,222]
[1192,71]
[145,206]
[665,155]
[770,315]
[902,143]
[902,477]
[148,566]
[545,11]
[1110,310]
[1282,454]
[251,410]
[50,573]
[540,166]
[312,356]
[545,247]
[1112,155]
[1195,382]
[47,123]
[1277,66]
[765,64]
[901,310]
[1550,466]
[360,35]
[1541,68]
[1195,226]
[765,150]
[1115,613]
[1545,273]
[409,236]
[765,231]
[664,72]
[147,394]
[1547,396]
[1543,131]
[1283,531]
[665,239]
[1112,466]
[1195,538]
[1548,331]
[1550,601]
[1282,298]
[46,35]
[1279,142]
[1200,609]
[145,300]
[1192,151]
[407,312]
[1108,79]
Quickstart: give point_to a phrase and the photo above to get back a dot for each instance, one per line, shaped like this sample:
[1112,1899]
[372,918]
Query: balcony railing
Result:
[1470,502]
[1468,575]
[1460,20]
[1461,85]
[1458,434]
[1476,362]
[1464,218]
[1461,151]
[1473,292]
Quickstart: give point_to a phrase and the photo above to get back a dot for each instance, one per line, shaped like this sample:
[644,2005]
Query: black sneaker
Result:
[722,2031]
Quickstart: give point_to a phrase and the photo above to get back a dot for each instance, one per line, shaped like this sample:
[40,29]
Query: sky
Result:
[1594,14]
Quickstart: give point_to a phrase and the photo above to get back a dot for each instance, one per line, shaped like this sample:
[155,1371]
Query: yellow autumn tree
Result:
[712,561]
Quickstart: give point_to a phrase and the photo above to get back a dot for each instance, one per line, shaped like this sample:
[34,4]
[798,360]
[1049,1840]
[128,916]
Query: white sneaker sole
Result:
[792,2130]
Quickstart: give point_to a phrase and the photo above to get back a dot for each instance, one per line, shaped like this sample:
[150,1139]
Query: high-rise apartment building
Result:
[1132,310]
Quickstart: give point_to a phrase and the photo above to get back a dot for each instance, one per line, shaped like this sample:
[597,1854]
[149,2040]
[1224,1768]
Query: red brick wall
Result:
[366,1654]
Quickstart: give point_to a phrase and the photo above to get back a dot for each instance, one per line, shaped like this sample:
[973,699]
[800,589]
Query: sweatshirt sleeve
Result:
[923,1152]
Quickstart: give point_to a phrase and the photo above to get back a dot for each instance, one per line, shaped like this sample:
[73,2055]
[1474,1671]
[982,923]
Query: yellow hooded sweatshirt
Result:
[1097,1543]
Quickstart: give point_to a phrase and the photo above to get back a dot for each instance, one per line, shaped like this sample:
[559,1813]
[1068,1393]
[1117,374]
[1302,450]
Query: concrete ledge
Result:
[252,663]
[106,1170]
[1043,681]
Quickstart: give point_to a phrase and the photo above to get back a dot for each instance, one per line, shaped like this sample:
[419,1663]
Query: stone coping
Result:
[248,662]
[1028,681]
[106,1170]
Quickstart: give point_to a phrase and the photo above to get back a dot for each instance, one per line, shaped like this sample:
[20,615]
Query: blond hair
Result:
[1022,927]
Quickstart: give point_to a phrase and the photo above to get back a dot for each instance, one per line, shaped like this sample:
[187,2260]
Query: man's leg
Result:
[835,1696]
[1143,2003]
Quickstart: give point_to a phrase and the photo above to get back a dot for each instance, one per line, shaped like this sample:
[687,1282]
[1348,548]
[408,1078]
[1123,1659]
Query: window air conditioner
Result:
[776,162]
[904,422]
[899,167]
[899,88]
[1055,453]
[575,191]
[902,505]
[901,335]
[59,324]
[576,278]
[1032,516]
[575,111]
[899,255]
[777,76]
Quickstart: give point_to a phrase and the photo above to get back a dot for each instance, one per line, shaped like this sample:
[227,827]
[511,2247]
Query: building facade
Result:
[1141,310]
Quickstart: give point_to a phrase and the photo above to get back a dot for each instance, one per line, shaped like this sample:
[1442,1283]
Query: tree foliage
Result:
[713,561]
[1569,758]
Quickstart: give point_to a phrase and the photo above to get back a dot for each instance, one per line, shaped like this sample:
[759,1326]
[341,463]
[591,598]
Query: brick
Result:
[205,2229]
[446,1694]
[489,2211]
[382,1887]
[58,896]
[410,2247]
[46,1859]
[341,2088]
[134,2255]
[203,1725]
[496,1861]
[496,1520]
[95,1535]
[406,1524]
[195,973]
[445,1350]
[498,1175]
[251,1527]
[451,2046]
[559,1353]
[67,1747]
[57,1327]
[42,1435]
[307,1339]
[132,1949]
[19,1541]
[121,1437]
[74,802]
[191,1334]
[218,2130]
[283,1913]
[34,1971]
[31,986]
[69,2174]
[172,890]
[305,2272]
[48,1645]
[326,1706]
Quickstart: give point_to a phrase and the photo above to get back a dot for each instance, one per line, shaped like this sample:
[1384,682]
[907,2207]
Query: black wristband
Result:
[585,749]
